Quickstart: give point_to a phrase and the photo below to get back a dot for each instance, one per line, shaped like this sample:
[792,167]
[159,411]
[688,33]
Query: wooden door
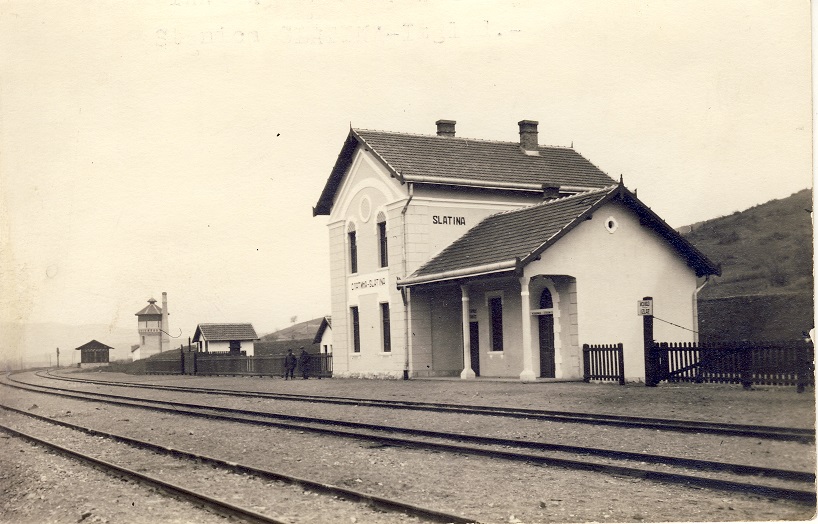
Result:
[546,325]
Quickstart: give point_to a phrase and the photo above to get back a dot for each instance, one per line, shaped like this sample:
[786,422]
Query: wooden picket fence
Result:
[780,363]
[603,362]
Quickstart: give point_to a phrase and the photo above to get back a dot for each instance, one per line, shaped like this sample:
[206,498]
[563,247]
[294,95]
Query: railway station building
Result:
[461,257]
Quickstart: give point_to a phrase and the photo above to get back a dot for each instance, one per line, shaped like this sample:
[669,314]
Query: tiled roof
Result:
[464,161]
[94,344]
[216,332]
[483,160]
[505,241]
[150,309]
[511,234]
[326,322]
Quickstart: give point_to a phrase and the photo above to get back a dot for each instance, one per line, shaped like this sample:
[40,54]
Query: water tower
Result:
[152,323]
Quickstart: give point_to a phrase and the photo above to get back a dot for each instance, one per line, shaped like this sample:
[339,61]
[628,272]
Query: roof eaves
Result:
[453,181]
[485,269]
[611,193]
[395,173]
[695,258]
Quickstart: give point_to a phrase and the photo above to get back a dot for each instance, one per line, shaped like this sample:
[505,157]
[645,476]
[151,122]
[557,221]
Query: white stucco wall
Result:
[325,342]
[149,345]
[615,270]
[595,278]
[223,345]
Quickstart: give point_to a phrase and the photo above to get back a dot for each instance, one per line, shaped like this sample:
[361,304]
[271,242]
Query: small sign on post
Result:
[645,307]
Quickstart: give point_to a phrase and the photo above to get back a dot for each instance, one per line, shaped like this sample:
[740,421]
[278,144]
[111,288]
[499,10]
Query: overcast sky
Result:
[179,145]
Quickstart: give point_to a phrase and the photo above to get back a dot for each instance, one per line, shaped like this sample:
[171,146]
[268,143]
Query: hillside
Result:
[300,331]
[36,344]
[764,250]
[765,291]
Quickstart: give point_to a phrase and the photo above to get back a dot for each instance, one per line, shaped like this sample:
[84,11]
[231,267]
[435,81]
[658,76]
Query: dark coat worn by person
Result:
[304,363]
[289,364]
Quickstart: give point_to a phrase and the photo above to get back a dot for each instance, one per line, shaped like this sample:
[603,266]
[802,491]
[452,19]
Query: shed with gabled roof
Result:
[94,354]
[232,338]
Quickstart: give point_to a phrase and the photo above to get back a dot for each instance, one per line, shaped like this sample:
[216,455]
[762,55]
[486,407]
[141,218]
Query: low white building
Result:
[233,338]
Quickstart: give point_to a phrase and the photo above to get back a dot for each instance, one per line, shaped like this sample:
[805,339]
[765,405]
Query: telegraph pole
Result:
[58,358]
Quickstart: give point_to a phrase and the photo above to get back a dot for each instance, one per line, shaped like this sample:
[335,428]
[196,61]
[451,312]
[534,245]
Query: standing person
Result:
[304,363]
[289,364]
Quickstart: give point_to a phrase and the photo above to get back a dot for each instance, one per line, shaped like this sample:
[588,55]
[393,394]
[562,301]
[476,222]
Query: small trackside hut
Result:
[463,257]
[94,354]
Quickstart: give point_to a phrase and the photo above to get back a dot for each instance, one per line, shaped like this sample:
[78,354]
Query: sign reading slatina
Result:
[645,307]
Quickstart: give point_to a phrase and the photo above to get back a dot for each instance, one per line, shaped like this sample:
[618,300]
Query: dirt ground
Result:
[491,490]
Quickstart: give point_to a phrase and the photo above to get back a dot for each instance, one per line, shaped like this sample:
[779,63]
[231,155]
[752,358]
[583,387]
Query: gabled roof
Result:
[94,344]
[428,159]
[507,241]
[326,322]
[221,332]
[150,309]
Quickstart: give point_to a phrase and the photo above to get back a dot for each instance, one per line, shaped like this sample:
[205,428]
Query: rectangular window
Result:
[382,247]
[353,253]
[496,323]
[387,337]
[356,330]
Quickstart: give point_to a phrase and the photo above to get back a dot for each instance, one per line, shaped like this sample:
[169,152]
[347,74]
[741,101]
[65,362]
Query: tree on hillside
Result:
[293,320]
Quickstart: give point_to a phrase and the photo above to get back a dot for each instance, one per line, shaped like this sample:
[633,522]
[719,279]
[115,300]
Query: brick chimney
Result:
[445,127]
[528,134]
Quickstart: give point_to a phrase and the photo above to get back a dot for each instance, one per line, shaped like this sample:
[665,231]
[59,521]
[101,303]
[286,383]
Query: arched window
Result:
[353,248]
[545,299]
[383,253]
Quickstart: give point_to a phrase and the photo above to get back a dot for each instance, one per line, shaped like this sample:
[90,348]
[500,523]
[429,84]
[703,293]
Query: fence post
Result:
[620,349]
[746,362]
[586,364]
[650,349]
[803,363]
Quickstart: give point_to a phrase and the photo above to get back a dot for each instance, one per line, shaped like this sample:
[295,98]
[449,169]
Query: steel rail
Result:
[211,413]
[677,425]
[374,501]
[702,465]
[219,506]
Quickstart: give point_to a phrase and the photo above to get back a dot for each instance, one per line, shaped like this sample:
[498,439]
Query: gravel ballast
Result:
[493,490]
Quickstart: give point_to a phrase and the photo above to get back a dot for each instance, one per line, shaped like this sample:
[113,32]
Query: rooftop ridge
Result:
[605,189]
[462,138]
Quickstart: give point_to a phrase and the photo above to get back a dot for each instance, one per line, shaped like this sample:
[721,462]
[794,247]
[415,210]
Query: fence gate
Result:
[783,363]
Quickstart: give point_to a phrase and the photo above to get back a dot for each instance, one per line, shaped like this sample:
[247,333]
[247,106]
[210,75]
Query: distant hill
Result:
[765,291]
[301,331]
[36,344]
[764,250]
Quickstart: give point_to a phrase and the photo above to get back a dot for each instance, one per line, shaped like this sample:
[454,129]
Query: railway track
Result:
[218,505]
[688,426]
[766,482]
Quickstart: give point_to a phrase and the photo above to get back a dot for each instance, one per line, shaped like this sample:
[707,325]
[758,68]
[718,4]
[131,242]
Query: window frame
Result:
[383,244]
[386,328]
[352,242]
[355,320]
[495,323]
